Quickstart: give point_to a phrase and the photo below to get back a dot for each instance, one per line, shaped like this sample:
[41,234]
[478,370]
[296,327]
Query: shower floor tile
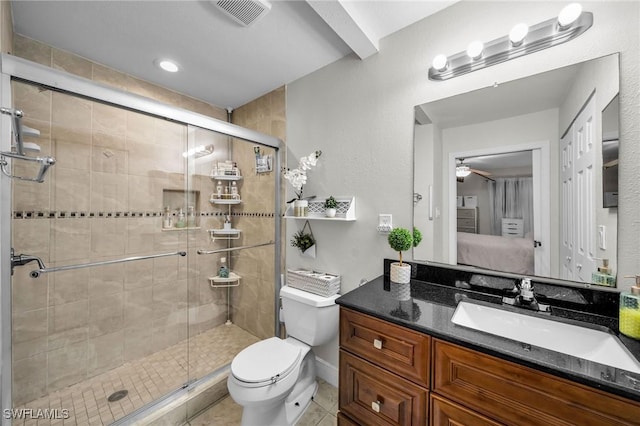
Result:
[145,379]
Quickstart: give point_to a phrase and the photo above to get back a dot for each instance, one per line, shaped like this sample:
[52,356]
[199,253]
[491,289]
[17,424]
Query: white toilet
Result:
[274,380]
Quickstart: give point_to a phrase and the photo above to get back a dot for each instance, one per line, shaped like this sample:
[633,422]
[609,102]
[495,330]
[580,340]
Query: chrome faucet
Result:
[23,259]
[525,297]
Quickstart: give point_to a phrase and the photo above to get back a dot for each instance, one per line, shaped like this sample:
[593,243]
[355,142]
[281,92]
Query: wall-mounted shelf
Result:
[225,234]
[346,210]
[219,282]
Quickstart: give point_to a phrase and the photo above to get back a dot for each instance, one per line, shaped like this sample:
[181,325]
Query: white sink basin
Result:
[593,345]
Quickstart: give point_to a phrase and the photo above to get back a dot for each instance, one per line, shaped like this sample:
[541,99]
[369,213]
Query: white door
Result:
[578,153]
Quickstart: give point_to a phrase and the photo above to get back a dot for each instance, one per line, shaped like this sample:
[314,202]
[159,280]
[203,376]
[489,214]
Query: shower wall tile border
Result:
[119,215]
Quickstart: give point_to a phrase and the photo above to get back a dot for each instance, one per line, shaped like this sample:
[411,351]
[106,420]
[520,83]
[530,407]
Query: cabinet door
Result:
[446,413]
[517,395]
[373,396]
[395,348]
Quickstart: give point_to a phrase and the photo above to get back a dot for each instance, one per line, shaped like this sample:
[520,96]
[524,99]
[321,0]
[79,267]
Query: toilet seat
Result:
[265,362]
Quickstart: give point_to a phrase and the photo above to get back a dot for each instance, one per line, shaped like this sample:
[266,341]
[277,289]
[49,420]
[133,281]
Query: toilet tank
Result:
[309,318]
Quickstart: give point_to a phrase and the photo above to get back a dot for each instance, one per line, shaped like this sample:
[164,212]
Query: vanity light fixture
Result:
[522,40]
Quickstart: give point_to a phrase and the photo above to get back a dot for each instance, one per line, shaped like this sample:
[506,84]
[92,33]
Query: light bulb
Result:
[518,33]
[569,14]
[440,62]
[474,51]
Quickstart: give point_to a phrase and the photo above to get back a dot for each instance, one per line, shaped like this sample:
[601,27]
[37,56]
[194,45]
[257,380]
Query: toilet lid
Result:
[266,361]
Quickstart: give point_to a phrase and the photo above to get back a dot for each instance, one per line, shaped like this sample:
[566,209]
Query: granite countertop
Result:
[430,310]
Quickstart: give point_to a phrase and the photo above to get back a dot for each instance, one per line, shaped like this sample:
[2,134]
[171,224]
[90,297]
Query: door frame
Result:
[542,209]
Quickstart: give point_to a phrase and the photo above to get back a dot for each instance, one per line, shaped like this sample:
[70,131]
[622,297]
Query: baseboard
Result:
[327,372]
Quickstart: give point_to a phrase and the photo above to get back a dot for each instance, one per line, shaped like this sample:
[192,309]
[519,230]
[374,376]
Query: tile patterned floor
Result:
[146,379]
[321,412]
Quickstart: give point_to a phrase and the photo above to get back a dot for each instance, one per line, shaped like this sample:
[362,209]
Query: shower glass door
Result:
[234,196]
[95,343]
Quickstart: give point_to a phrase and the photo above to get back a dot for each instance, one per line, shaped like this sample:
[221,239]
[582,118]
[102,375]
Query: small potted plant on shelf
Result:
[330,206]
[400,239]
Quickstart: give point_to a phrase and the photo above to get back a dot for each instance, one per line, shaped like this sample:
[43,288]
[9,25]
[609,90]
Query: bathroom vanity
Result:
[406,363]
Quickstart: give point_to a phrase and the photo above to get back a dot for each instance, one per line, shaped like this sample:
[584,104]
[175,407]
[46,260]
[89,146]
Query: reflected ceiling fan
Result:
[463,170]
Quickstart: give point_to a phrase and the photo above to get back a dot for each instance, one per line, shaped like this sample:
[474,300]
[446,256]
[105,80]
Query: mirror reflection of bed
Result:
[495,212]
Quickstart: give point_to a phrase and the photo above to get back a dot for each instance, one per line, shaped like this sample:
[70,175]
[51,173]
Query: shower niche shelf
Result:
[225,234]
[219,282]
[346,211]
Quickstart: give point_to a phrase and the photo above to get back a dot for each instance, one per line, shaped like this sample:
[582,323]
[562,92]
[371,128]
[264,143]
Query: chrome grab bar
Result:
[233,248]
[36,273]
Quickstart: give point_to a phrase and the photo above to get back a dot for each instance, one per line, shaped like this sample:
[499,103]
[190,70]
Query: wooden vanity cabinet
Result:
[384,372]
[516,395]
[391,375]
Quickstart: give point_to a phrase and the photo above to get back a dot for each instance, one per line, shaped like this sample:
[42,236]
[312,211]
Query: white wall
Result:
[360,114]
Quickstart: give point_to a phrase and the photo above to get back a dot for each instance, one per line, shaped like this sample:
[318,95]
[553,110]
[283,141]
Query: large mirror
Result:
[519,177]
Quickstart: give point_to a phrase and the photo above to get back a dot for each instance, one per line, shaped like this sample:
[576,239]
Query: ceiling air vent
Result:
[244,12]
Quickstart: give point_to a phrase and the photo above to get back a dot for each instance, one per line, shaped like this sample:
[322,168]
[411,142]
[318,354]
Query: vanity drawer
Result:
[398,349]
[373,396]
[517,395]
[447,413]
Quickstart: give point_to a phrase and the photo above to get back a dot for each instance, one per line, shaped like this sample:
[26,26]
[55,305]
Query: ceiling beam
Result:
[347,26]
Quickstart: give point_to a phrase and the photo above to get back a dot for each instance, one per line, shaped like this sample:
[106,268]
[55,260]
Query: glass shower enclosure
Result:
[114,304]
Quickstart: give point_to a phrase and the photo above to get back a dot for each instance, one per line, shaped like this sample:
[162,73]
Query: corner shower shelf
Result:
[346,211]
[225,177]
[219,282]
[225,234]
[186,228]
[224,201]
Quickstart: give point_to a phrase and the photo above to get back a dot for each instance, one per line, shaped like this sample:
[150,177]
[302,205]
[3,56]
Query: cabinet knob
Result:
[375,406]
[377,343]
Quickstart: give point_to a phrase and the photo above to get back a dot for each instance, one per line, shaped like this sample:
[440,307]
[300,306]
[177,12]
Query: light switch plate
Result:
[385,223]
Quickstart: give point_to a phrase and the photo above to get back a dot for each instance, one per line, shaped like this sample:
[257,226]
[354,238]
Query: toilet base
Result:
[279,414]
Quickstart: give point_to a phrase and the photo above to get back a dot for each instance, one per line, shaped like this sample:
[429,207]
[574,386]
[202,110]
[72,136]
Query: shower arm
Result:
[36,272]
[234,248]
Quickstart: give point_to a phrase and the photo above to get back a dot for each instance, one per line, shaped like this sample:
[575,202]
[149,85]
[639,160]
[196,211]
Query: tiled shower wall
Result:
[253,306]
[98,203]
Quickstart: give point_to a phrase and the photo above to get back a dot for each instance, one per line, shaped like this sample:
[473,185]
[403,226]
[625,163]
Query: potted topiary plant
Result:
[400,239]
[330,206]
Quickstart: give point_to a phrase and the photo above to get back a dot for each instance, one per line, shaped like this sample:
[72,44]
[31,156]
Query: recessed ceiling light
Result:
[167,65]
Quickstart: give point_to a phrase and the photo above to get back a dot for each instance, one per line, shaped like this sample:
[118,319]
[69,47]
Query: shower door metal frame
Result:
[31,72]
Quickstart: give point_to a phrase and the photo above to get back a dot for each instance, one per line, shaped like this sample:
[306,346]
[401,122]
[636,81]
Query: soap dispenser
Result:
[604,276]
[629,320]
